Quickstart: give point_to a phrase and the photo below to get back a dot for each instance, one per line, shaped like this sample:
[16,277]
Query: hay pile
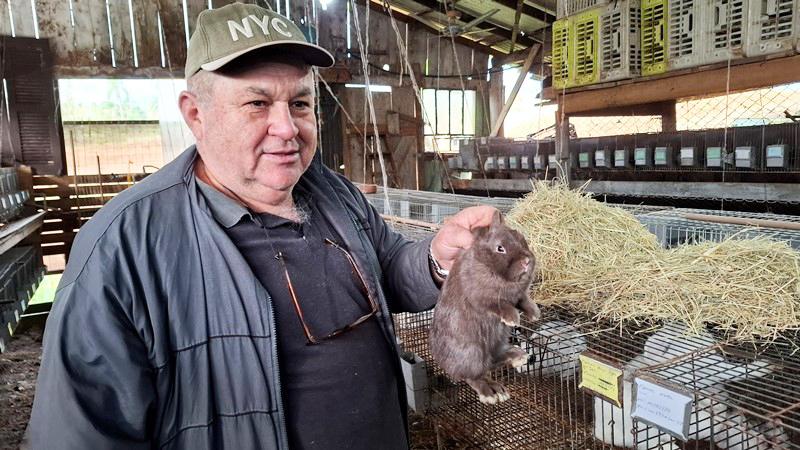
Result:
[600,260]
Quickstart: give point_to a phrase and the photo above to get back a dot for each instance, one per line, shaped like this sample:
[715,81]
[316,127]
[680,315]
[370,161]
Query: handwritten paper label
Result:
[663,407]
[601,378]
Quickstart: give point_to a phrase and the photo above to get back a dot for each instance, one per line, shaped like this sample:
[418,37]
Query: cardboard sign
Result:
[601,378]
[665,407]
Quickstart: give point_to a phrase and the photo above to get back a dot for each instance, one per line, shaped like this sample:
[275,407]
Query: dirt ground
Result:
[18,368]
[20,364]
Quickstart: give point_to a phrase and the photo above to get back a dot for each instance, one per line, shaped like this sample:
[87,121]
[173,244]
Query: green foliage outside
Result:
[108,100]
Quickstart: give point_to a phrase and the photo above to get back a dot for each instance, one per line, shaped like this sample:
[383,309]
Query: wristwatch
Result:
[443,273]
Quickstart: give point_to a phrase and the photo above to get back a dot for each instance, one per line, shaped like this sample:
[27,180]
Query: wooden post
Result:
[100,179]
[669,117]
[562,145]
[526,66]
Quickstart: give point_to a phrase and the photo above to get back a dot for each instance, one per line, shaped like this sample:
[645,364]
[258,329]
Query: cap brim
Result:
[312,54]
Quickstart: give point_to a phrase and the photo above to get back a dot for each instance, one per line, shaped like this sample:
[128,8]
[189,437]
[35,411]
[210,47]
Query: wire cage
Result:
[677,227]
[741,396]
[430,207]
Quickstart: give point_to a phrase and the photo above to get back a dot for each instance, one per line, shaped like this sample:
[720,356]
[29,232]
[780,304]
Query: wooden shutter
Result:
[31,134]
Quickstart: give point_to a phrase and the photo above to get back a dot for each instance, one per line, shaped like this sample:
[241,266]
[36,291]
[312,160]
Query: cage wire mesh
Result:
[772,105]
[434,207]
[121,146]
[744,396]
[676,227]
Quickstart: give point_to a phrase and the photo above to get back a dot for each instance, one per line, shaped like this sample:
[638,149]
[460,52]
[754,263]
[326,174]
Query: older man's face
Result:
[259,128]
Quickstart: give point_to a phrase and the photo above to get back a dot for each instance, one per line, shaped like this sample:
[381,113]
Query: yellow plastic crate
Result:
[586,26]
[654,36]
[562,61]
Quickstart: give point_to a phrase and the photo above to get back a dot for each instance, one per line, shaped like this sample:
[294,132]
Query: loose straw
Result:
[600,260]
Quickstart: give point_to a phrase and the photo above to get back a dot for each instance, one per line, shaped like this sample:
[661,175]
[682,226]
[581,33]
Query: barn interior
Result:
[648,149]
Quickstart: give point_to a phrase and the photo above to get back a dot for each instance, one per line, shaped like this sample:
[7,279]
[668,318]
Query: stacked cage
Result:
[654,36]
[576,57]
[773,27]
[685,24]
[619,41]
[727,23]
[21,270]
[562,60]
[567,8]
[586,39]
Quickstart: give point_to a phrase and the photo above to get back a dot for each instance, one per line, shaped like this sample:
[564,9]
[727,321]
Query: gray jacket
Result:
[161,336]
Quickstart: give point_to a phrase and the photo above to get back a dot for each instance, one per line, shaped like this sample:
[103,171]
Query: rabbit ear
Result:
[479,233]
[497,219]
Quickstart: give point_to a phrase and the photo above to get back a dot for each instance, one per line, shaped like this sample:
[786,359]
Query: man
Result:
[240,297]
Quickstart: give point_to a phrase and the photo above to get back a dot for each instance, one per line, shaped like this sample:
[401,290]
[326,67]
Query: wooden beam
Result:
[515,30]
[535,13]
[779,192]
[747,74]
[522,75]
[500,30]
[377,5]
[647,109]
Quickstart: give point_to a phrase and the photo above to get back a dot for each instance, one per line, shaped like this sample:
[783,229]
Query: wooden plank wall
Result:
[95,37]
[69,207]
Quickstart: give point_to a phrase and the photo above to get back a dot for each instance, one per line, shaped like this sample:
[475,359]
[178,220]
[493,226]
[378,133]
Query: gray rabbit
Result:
[482,297]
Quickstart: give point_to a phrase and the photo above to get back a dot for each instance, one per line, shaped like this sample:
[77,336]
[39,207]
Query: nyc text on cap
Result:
[224,34]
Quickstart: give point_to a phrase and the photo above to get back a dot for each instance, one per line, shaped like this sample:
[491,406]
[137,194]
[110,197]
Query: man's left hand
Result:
[455,236]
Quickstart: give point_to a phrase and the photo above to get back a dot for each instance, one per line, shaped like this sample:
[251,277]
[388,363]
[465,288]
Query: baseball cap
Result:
[223,34]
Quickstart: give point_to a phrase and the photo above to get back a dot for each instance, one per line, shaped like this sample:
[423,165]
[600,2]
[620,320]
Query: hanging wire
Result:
[417,91]
[370,103]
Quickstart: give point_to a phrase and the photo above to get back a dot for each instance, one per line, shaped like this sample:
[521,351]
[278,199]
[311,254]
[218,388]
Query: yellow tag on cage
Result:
[601,378]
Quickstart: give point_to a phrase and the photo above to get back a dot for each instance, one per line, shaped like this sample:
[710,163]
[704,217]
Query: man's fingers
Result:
[457,238]
[475,217]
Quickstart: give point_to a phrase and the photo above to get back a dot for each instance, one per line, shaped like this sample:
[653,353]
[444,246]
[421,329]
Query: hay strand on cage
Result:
[599,260]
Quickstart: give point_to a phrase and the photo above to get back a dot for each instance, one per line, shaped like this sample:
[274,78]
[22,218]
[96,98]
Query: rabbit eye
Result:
[501,249]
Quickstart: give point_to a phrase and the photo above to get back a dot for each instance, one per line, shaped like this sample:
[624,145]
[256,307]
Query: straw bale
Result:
[599,260]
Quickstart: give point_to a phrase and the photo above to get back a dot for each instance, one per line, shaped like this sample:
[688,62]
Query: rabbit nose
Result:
[526,264]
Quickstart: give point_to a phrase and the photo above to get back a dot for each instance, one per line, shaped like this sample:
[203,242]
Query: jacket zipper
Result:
[279,393]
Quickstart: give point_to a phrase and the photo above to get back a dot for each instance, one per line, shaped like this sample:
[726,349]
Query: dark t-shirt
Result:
[341,393]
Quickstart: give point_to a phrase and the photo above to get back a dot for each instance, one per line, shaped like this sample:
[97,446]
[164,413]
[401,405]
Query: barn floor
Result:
[18,368]
[20,364]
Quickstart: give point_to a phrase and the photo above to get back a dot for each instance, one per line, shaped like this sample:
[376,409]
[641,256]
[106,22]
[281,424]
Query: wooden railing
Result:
[70,201]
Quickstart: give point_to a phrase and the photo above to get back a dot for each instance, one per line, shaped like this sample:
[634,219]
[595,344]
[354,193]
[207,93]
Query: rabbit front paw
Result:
[510,318]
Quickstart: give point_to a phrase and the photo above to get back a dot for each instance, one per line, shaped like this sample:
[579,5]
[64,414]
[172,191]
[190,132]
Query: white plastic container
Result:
[620,46]
[725,29]
[686,44]
[774,27]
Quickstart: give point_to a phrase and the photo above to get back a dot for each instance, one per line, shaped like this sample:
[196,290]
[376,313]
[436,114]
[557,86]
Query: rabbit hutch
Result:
[598,381]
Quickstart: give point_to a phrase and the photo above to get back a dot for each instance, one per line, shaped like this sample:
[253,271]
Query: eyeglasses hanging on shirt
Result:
[312,337]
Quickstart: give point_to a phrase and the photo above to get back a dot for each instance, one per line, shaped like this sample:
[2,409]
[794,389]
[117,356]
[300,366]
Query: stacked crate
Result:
[773,26]
[727,29]
[576,43]
[594,41]
[586,40]
[654,37]
[620,55]
[685,24]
